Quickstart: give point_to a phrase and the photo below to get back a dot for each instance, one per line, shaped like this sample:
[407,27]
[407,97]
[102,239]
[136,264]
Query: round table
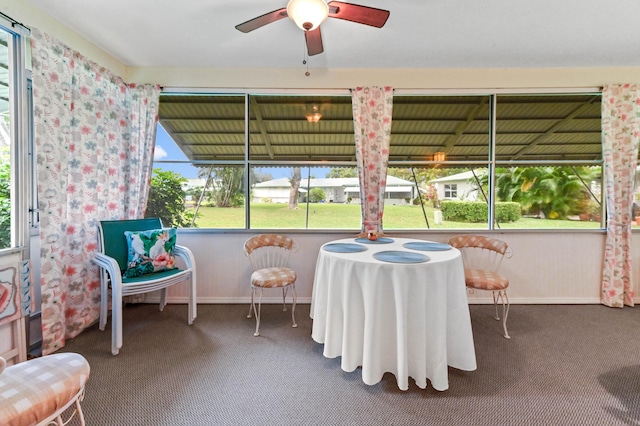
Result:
[386,315]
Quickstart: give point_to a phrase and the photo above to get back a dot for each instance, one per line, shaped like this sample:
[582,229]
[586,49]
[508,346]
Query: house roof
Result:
[464,176]
[392,181]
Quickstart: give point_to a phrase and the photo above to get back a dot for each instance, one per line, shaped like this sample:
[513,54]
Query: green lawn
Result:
[347,216]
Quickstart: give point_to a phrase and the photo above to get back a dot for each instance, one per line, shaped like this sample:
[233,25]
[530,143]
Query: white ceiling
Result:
[418,34]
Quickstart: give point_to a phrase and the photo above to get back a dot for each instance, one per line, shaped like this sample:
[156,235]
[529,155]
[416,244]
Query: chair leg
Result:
[116,318]
[193,306]
[104,299]
[502,296]
[284,298]
[77,413]
[257,333]
[251,305]
[293,306]
[496,296]
[163,298]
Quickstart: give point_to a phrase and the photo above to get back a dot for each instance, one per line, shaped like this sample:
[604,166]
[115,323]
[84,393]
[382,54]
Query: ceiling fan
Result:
[309,14]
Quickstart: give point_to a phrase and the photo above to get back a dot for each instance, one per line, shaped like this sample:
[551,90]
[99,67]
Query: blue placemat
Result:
[344,247]
[395,256]
[426,246]
[381,240]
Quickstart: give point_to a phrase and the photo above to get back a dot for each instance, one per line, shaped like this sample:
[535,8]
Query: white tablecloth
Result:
[410,319]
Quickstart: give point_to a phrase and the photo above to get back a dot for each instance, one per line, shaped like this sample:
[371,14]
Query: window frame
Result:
[22,163]
[491,162]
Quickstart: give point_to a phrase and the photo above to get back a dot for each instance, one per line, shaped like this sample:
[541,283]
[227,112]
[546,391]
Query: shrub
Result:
[476,211]
[167,199]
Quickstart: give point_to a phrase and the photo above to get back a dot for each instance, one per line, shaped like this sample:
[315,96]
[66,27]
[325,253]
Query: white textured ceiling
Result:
[418,34]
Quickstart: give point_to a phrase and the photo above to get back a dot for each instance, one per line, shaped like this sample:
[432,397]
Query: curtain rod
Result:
[14,22]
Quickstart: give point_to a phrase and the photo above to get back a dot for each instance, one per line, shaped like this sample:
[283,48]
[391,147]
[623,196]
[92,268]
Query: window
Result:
[451,190]
[14,159]
[549,159]
[494,161]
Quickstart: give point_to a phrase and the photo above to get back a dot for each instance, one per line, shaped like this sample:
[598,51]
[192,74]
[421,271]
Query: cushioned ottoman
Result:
[38,391]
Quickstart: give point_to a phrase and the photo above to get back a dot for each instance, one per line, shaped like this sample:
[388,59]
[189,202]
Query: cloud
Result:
[159,153]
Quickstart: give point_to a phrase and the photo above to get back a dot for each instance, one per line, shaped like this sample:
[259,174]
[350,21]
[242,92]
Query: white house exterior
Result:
[337,190]
[457,187]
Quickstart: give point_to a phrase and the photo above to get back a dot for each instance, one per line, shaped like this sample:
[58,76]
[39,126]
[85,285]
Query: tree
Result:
[167,199]
[555,192]
[227,189]
[316,195]
[342,172]
[295,186]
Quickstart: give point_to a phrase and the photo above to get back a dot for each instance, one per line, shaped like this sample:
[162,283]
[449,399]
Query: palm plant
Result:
[554,192]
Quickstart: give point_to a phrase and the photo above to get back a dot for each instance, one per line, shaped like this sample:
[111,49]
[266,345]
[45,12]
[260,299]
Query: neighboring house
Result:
[337,190]
[460,186]
[274,191]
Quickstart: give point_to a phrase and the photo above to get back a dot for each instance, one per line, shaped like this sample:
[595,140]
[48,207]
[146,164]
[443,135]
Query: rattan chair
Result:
[482,257]
[269,257]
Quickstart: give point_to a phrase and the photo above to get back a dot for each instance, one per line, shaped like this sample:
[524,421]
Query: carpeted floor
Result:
[564,365]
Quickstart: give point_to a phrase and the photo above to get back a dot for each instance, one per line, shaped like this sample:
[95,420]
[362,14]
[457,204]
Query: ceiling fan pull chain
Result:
[305,61]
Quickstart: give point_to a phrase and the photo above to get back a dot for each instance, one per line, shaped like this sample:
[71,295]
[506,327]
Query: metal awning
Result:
[528,127]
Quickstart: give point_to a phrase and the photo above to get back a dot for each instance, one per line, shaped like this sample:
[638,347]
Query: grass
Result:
[347,216]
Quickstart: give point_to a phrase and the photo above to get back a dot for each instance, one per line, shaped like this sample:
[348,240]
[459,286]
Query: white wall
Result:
[558,267]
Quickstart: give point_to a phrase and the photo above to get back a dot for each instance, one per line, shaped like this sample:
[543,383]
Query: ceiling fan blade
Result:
[262,20]
[314,42]
[360,14]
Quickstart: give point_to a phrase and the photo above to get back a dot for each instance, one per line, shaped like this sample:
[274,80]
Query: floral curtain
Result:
[94,139]
[621,135]
[372,108]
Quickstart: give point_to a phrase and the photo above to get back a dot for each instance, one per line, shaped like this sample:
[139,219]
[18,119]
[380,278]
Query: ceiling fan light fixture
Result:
[308,14]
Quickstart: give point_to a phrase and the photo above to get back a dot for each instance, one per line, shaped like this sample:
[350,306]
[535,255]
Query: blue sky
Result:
[167,150]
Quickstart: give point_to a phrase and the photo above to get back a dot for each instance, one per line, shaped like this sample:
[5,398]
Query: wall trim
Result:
[307,300]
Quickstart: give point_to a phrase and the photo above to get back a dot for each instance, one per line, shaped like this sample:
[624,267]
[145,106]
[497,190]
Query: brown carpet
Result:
[564,365]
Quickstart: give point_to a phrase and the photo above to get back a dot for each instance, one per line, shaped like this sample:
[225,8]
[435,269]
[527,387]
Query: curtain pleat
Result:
[372,109]
[94,139]
[621,134]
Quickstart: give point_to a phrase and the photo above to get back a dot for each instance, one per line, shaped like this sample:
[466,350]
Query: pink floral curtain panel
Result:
[621,135]
[95,137]
[372,108]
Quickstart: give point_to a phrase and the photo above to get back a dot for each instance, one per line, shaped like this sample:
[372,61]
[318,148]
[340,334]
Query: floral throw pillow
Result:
[150,251]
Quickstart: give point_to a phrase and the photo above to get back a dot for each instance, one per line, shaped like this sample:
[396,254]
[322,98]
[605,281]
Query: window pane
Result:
[283,128]
[217,197]
[549,197]
[204,127]
[450,199]
[326,198]
[5,143]
[456,127]
[548,127]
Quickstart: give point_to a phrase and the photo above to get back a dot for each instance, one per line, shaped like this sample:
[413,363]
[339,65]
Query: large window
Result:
[14,138]
[494,161]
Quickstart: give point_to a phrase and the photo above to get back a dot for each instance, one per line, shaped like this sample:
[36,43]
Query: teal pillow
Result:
[150,251]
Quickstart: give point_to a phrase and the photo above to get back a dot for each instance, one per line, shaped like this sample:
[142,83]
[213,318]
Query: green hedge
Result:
[477,211]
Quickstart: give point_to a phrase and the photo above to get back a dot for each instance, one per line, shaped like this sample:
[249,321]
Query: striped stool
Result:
[38,391]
